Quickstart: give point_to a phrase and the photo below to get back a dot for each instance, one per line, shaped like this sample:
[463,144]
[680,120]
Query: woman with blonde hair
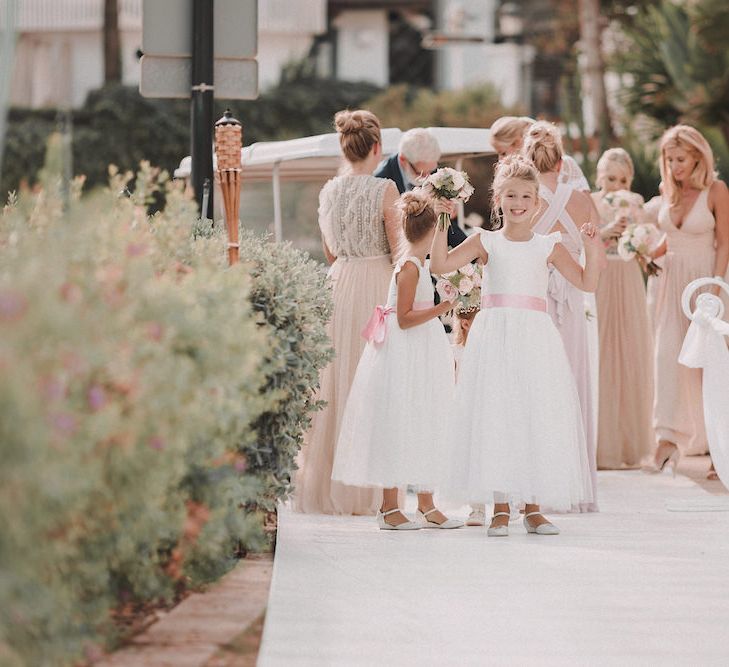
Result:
[360,229]
[694,215]
[565,209]
[507,138]
[624,432]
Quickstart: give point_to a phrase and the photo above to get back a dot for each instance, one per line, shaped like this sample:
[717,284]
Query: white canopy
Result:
[320,156]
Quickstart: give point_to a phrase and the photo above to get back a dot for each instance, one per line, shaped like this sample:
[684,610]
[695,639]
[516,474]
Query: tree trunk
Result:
[112,43]
[594,68]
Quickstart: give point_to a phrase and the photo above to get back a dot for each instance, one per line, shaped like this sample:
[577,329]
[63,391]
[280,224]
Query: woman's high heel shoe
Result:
[671,461]
[406,525]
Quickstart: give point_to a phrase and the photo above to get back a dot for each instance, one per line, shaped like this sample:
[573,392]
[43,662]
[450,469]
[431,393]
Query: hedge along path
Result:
[203,624]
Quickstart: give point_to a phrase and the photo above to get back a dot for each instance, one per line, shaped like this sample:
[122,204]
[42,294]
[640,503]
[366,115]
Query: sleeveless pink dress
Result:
[566,305]
[624,426]
[678,414]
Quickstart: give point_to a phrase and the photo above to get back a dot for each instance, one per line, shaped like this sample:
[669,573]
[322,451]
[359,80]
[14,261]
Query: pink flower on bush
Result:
[446,290]
[12,306]
[157,443]
[96,397]
[136,249]
[63,424]
[155,331]
[71,293]
[52,389]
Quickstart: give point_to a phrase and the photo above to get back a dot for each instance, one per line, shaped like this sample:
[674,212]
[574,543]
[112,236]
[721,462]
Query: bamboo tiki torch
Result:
[228,142]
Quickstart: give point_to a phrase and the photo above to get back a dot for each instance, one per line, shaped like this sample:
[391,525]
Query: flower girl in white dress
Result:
[395,424]
[518,430]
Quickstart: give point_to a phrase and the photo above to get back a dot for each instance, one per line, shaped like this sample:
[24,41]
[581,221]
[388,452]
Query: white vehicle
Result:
[302,166]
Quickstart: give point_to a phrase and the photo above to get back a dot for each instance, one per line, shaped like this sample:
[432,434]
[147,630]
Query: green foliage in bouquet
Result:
[135,374]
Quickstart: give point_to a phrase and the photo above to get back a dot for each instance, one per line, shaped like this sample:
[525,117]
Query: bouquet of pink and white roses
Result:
[637,241]
[447,183]
[462,287]
[623,203]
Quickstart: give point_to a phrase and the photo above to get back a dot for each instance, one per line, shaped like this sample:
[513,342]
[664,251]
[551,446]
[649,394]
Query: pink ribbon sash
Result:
[513,301]
[376,327]
[374,331]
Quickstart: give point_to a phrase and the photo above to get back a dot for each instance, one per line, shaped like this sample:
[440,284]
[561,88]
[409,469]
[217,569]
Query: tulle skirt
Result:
[358,286]
[518,424]
[395,427]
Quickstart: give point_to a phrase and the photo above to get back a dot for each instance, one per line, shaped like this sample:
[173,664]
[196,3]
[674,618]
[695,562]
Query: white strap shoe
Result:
[406,525]
[477,517]
[499,531]
[426,523]
[542,528]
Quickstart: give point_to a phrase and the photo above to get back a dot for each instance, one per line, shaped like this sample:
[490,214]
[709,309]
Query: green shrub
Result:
[135,372]
[117,125]
[283,279]
[407,106]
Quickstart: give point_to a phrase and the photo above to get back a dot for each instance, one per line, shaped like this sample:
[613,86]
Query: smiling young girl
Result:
[518,430]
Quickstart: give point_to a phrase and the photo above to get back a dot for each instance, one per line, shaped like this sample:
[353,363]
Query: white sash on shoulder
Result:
[558,288]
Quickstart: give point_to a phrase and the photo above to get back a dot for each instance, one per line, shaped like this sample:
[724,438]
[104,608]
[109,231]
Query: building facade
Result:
[444,44]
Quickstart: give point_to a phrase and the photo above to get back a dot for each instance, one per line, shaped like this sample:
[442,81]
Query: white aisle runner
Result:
[634,584]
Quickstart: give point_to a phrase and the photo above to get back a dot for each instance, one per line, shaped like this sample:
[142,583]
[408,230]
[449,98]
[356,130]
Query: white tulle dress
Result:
[395,425]
[518,425]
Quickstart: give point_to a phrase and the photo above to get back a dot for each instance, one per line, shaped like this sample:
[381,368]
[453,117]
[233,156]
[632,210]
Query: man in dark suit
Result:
[416,158]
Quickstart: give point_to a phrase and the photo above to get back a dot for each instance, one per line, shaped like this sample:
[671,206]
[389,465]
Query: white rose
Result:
[465,286]
[624,251]
[458,180]
[468,269]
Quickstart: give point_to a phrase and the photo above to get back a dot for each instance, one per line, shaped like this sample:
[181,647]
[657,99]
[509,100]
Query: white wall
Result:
[363,46]
[460,65]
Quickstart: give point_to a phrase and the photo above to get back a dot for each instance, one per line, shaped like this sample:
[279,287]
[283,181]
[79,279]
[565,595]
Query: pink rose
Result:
[446,290]
[468,270]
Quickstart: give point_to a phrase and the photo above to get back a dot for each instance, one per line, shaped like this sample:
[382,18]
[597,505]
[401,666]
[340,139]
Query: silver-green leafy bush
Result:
[136,368]
[284,278]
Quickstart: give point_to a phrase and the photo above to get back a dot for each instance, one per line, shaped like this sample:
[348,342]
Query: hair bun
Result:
[542,133]
[412,203]
[349,122]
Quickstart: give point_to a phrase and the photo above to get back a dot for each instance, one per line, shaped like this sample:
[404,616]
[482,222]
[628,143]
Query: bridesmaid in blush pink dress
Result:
[694,215]
[624,429]
[360,232]
[565,210]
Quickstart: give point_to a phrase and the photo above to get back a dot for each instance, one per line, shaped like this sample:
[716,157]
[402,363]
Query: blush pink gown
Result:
[678,414]
[352,224]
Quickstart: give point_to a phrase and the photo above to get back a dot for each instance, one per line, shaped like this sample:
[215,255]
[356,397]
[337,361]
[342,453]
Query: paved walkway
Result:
[645,581]
[205,628]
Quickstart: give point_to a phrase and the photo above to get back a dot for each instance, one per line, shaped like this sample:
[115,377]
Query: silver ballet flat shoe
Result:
[498,531]
[407,525]
[541,529]
[477,517]
[422,517]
